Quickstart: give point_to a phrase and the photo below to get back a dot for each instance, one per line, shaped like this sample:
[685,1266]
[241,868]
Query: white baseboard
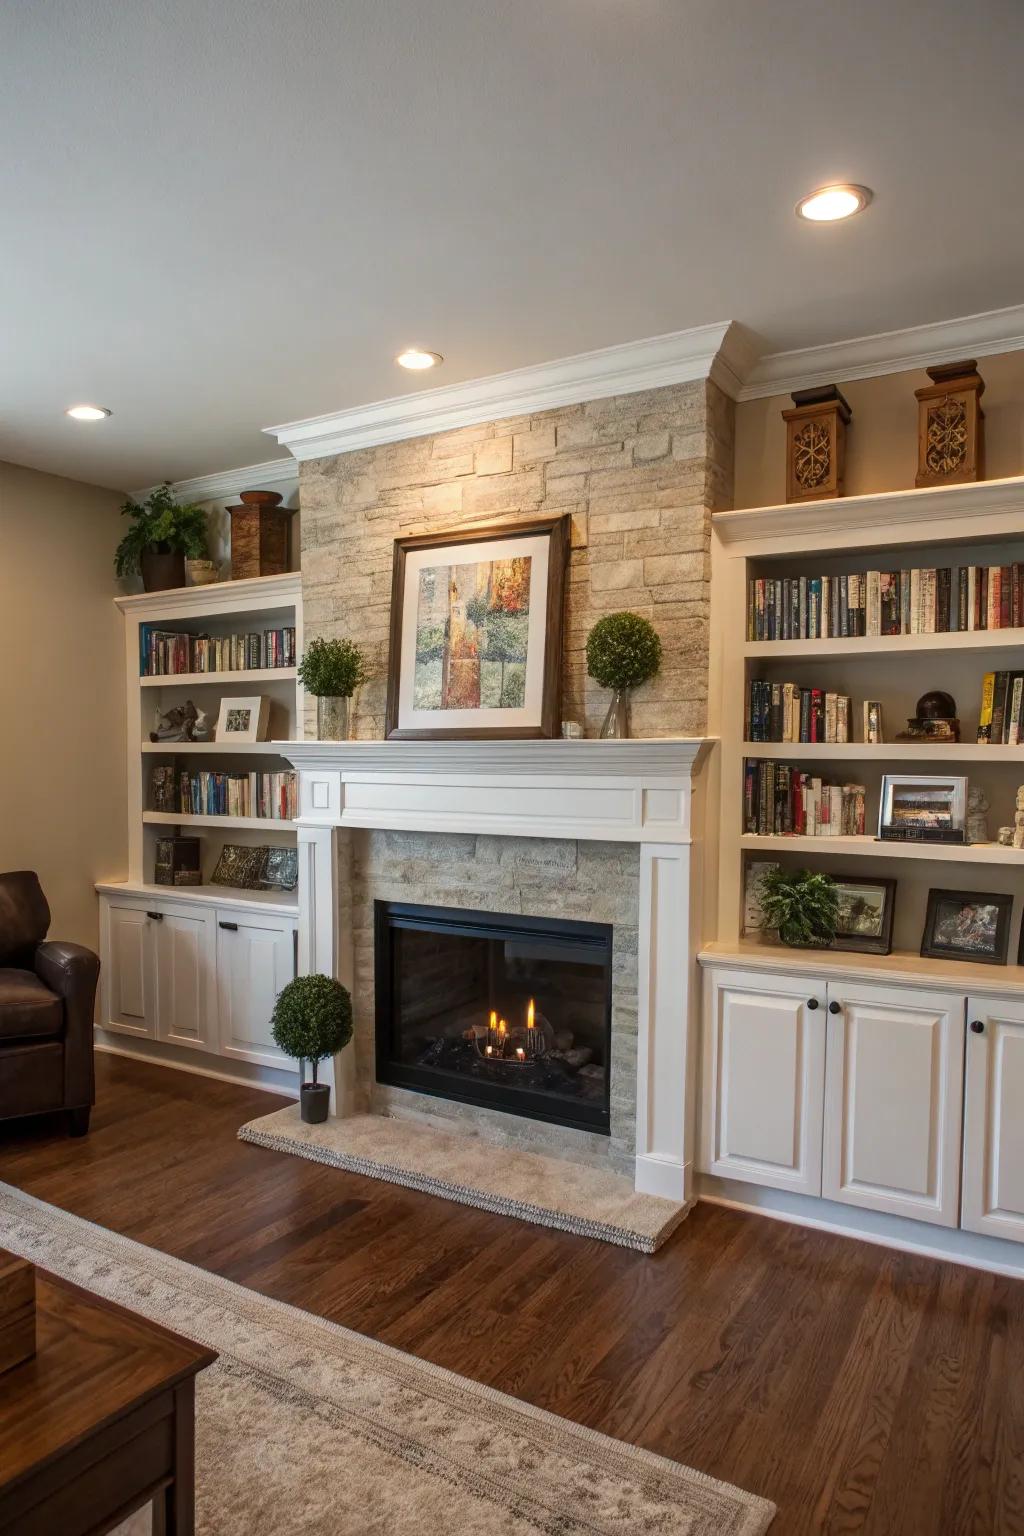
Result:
[661,1176]
[948,1243]
[266,1079]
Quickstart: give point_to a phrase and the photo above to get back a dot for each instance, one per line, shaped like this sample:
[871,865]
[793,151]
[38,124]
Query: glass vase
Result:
[616,721]
[332,717]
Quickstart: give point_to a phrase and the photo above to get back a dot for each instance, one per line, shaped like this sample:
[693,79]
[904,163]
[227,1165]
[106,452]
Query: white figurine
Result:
[977,826]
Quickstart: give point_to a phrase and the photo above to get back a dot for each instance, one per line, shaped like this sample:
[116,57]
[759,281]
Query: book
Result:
[988,690]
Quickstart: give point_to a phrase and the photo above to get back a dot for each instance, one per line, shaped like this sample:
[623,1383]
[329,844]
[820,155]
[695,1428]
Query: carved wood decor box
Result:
[951,425]
[816,443]
[259,535]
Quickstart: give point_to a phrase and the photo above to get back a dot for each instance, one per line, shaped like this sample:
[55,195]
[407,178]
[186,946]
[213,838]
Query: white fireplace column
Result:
[614,791]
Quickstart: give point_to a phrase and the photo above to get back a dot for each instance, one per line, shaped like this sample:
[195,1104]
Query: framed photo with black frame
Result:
[967,925]
[867,905]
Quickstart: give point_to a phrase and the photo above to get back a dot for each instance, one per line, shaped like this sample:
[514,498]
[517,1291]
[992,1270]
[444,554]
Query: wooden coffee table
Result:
[100,1422]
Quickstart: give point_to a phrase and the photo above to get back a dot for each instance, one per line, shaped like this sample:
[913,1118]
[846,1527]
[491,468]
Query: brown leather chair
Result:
[47,993]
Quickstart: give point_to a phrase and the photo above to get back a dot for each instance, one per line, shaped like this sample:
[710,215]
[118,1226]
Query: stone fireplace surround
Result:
[590,829]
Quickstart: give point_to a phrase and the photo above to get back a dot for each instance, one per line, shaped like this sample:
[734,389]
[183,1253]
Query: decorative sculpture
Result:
[183,722]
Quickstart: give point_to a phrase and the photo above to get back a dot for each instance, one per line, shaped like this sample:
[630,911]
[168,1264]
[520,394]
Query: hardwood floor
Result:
[862,1390]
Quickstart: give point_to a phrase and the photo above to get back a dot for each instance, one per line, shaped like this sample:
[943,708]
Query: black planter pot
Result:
[314,1102]
[160,571]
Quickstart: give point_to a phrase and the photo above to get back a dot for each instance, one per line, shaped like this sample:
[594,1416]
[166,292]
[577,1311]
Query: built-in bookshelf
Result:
[209,633]
[798,551]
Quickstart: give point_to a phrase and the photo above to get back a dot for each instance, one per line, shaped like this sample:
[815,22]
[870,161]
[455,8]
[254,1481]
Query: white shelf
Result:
[218,679]
[279,903]
[901,966]
[255,594]
[221,748]
[896,751]
[886,645]
[875,848]
[259,823]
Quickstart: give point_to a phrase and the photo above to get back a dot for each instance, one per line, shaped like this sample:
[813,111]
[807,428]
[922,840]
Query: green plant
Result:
[332,668]
[804,907]
[312,1019]
[160,524]
[623,651]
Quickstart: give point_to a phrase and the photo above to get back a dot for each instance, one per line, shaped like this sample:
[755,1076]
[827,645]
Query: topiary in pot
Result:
[312,1020]
[332,670]
[623,651]
[161,537]
[804,907]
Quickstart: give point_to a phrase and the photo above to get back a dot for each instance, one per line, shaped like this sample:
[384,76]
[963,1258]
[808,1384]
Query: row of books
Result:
[165,653]
[917,601]
[780,801]
[787,712]
[1002,709]
[272,796]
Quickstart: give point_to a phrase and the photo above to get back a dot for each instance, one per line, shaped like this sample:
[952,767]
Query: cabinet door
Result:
[255,958]
[186,992]
[763,1071]
[993,1119]
[893,1100]
[129,969]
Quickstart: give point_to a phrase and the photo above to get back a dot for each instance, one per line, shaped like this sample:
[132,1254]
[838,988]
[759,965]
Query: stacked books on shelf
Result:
[780,801]
[1002,709]
[272,796]
[787,712]
[165,653]
[911,601]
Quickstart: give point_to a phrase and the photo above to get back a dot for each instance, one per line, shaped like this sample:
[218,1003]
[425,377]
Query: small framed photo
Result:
[866,911]
[923,808]
[967,925]
[753,875]
[243,720]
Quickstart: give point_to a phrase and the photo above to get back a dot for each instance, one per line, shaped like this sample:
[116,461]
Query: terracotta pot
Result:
[160,571]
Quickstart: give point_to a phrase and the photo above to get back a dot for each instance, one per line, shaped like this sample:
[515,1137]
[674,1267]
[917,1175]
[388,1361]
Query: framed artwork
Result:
[967,925]
[754,872]
[476,632]
[241,865]
[281,870]
[243,720]
[923,808]
[866,910]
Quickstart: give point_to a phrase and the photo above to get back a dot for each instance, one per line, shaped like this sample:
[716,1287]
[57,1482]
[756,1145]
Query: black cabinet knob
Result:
[812,1002]
[977,1026]
[231,927]
[834,1008]
[157,917]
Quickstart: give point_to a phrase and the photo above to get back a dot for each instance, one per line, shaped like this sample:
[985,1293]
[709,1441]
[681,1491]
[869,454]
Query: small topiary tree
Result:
[623,651]
[332,668]
[312,1019]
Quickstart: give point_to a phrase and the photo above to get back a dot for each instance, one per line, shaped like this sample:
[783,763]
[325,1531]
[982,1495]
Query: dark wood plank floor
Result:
[863,1390]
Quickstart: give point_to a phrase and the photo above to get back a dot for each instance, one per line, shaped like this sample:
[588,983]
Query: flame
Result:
[530,1024]
[494,1019]
[502,1027]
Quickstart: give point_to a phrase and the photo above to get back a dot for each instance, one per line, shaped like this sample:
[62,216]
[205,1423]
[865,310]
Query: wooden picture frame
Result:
[444,678]
[874,938]
[941,910]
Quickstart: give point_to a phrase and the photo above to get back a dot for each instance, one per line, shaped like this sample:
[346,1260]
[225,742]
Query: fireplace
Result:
[508,1012]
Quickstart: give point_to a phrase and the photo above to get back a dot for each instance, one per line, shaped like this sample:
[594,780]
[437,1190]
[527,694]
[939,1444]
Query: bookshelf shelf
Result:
[279,903]
[219,679]
[213,748]
[885,645]
[884,752]
[902,966]
[875,848]
[174,819]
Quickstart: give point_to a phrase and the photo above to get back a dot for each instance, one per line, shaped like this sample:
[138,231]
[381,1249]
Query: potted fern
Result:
[161,536]
[332,670]
[804,907]
[623,651]
[312,1020]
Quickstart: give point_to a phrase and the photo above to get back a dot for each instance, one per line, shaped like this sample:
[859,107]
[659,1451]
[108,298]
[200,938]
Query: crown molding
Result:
[248,594]
[864,357]
[218,487]
[707,351]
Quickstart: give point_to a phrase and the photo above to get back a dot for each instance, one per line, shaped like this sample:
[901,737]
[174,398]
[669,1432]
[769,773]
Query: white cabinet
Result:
[129,969]
[993,1199]
[763,1079]
[185,972]
[893,1100]
[255,958]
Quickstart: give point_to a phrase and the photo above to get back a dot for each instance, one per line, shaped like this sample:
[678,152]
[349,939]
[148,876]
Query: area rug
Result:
[591,1202]
[307,1429]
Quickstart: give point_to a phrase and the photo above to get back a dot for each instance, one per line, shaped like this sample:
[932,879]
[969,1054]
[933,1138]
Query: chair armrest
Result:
[67,969]
[71,971]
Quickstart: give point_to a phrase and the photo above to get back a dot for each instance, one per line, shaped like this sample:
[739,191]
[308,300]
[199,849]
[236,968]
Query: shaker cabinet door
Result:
[993,1200]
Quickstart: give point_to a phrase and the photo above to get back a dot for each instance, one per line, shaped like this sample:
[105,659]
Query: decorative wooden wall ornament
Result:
[951,425]
[816,443]
[259,535]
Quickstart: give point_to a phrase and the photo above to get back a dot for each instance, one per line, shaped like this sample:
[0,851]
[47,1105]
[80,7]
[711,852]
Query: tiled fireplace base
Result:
[547,1191]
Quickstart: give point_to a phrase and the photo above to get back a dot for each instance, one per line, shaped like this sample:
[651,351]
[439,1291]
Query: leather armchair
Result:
[47,995]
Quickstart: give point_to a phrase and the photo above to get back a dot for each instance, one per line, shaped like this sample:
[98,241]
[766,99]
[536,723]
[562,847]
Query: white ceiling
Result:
[220,214]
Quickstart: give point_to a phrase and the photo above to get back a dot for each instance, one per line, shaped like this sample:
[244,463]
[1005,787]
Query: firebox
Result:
[513,1013]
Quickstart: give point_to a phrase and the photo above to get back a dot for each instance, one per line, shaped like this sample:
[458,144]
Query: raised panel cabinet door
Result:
[763,1079]
[255,958]
[993,1198]
[129,972]
[186,995]
[894,1100]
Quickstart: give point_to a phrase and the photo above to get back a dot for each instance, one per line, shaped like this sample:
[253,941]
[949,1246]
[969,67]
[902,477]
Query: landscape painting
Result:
[472,635]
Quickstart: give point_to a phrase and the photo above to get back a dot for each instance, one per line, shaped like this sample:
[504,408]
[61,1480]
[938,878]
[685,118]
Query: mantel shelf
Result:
[670,756]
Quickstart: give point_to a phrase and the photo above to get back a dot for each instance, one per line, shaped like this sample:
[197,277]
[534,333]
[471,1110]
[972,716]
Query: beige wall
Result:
[62,754]
[881,453]
[639,474]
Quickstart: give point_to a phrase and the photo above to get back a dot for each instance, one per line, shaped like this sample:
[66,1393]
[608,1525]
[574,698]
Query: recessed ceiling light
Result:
[830,203]
[415,359]
[87,412]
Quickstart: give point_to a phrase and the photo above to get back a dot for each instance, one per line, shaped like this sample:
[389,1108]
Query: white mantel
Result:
[636,791]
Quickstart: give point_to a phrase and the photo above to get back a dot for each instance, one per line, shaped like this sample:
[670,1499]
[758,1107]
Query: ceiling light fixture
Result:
[87,412]
[830,203]
[417,360]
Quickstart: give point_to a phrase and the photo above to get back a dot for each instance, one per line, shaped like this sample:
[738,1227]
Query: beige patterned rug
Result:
[307,1429]
[548,1191]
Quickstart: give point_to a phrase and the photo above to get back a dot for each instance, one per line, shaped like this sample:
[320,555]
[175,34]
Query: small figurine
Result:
[1005,837]
[1018,820]
[977,826]
[184,722]
[936,719]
